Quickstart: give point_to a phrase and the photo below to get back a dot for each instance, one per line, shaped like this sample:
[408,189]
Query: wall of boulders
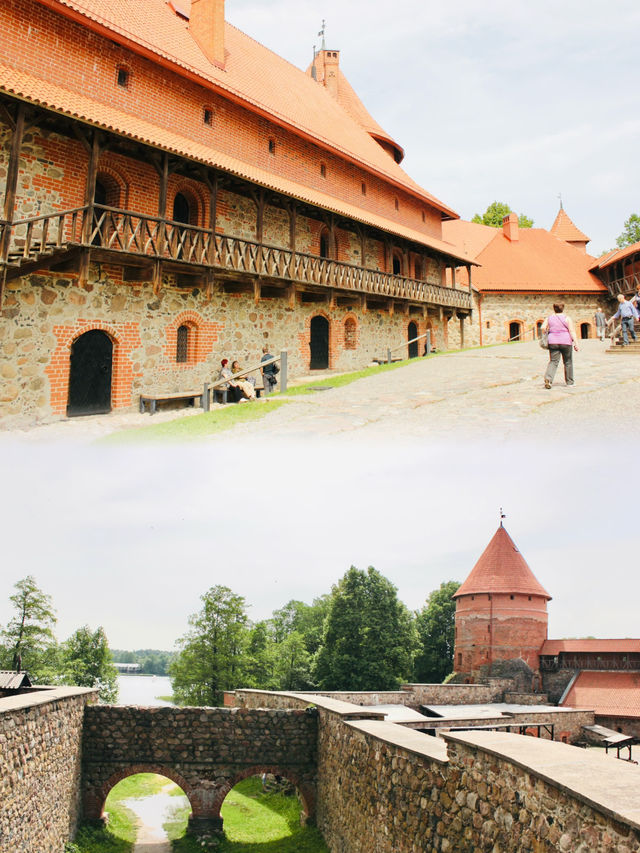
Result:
[204,750]
[40,764]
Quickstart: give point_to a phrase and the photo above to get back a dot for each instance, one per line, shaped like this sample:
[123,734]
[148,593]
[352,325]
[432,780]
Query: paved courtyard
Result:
[495,392]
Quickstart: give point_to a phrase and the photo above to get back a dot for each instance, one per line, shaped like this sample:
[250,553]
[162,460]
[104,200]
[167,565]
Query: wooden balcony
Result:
[40,241]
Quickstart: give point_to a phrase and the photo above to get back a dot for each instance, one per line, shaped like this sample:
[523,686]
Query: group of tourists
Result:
[561,338]
[240,387]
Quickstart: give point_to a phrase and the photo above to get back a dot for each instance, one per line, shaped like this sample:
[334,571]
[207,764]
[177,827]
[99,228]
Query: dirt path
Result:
[151,812]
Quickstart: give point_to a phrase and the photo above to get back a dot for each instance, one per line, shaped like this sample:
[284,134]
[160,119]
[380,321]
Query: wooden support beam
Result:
[83,268]
[391,307]
[257,290]
[291,296]
[90,187]
[405,308]
[11,185]
[333,299]
[209,287]
[157,276]
[363,303]
[7,117]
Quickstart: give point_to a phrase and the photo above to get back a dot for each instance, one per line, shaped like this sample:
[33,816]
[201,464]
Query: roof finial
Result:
[560,197]
[322,33]
[502,515]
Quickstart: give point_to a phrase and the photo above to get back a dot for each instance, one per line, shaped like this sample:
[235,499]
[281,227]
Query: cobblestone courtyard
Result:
[492,393]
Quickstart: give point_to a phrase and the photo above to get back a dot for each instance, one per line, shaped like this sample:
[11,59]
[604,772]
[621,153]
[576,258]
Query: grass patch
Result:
[343,379]
[198,426]
[259,822]
[93,839]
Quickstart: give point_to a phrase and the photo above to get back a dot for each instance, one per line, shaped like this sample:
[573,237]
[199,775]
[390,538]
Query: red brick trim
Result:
[94,806]
[203,334]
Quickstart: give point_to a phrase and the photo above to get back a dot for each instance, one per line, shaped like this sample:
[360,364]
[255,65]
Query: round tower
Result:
[501,612]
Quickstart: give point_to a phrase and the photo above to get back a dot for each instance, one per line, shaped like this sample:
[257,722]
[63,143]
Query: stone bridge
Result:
[206,751]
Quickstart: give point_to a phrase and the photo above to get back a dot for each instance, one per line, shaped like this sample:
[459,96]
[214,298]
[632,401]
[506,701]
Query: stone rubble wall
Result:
[204,750]
[40,765]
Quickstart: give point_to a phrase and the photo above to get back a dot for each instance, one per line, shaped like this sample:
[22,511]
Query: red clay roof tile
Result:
[565,229]
[537,261]
[591,645]
[615,694]
[614,256]
[501,569]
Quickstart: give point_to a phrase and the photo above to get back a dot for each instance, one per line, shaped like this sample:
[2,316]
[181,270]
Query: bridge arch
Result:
[95,802]
[306,792]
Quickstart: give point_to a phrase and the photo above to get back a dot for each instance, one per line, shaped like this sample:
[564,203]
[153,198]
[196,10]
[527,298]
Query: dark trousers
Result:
[555,351]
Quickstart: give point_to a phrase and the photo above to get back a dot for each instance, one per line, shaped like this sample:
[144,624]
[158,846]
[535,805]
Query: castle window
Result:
[363,188]
[459,658]
[488,629]
[182,345]
[473,598]
[350,333]
[529,598]
[424,216]
[323,170]
[489,596]
[511,597]
[272,146]
[396,204]
[207,116]
[122,77]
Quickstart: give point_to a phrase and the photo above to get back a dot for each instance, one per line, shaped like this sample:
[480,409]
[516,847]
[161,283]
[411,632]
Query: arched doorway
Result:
[181,209]
[319,343]
[585,330]
[90,374]
[396,263]
[412,332]
[514,330]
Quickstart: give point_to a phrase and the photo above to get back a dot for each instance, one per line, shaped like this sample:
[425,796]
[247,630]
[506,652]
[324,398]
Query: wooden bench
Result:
[154,399]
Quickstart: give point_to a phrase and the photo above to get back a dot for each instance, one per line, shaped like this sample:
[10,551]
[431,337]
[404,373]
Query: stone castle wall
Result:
[40,765]
[204,750]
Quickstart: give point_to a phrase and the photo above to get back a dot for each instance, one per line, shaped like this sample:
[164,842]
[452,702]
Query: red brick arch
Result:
[94,806]
[125,337]
[305,792]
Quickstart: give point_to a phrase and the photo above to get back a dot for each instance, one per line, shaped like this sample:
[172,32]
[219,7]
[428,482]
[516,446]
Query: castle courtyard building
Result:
[174,193]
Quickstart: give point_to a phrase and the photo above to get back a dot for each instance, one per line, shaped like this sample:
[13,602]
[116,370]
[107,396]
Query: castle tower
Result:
[565,229]
[501,612]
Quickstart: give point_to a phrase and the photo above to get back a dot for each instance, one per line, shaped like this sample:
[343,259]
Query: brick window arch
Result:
[182,344]
[350,333]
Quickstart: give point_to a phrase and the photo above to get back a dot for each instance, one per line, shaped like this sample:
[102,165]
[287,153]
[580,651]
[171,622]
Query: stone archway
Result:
[412,332]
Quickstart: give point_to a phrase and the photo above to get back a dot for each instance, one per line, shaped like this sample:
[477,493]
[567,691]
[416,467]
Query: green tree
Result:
[496,212]
[87,662]
[28,638]
[369,637]
[631,233]
[435,624]
[293,664]
[212,653]
[260,657]
[306,619]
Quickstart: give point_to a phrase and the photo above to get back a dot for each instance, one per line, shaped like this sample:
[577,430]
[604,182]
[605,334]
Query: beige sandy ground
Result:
[495,392]
[151,812]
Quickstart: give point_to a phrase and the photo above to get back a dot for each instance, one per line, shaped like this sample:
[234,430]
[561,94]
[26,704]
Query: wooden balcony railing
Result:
[125,232]
[627,284]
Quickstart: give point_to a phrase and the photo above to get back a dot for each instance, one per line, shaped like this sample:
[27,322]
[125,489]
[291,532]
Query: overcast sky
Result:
[498,100]
[129,538]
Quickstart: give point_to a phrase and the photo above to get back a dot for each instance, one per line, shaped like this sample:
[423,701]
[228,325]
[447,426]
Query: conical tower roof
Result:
[566,230]
[501,569]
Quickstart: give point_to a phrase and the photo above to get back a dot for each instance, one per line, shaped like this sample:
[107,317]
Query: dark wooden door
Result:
[90,374]
[319,343]
[413,347]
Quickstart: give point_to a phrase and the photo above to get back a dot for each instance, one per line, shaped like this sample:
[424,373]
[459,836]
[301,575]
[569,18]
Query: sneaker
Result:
[547,383]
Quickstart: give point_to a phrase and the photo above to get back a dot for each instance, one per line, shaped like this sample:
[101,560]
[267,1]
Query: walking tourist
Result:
[628,315]
[562,341]
[601,323]
[269,373]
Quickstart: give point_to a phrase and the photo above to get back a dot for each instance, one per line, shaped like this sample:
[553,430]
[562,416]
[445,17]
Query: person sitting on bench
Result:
[241,389]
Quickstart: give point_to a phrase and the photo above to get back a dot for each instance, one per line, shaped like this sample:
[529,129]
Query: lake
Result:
[143,690]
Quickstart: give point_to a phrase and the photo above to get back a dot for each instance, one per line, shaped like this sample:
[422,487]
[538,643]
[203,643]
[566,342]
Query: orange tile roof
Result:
[615,694]
[591,645]
[614,256]
[565,229]
[501,569]
[536,262]
[254,75]
[52,96]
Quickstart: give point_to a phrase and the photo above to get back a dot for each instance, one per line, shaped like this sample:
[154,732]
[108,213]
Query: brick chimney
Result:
[330,62]
[206,24]
[510,227]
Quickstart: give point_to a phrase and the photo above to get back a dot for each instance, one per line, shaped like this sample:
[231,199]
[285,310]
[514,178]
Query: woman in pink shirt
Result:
[562,341]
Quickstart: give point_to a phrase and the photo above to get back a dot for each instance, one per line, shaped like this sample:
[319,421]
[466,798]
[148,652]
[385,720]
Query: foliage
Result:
[86,661]
[94,839]
[435,624]
[293,664]
[211,658]
[496,212]
[28,638]
[631,233]
[369,636]
[152,661]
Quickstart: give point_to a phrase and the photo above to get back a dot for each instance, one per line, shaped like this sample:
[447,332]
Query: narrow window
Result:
[424,216]
[272,146]
[207,116]
[396,203]
[459,658]
[363,187]
[182,344]
[511,597]
[323,170]
[122,77]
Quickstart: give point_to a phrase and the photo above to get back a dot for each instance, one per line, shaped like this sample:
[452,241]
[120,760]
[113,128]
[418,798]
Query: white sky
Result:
[129,538]
[507,100]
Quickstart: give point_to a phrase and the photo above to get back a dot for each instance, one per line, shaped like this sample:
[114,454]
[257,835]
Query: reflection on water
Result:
[143,690]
